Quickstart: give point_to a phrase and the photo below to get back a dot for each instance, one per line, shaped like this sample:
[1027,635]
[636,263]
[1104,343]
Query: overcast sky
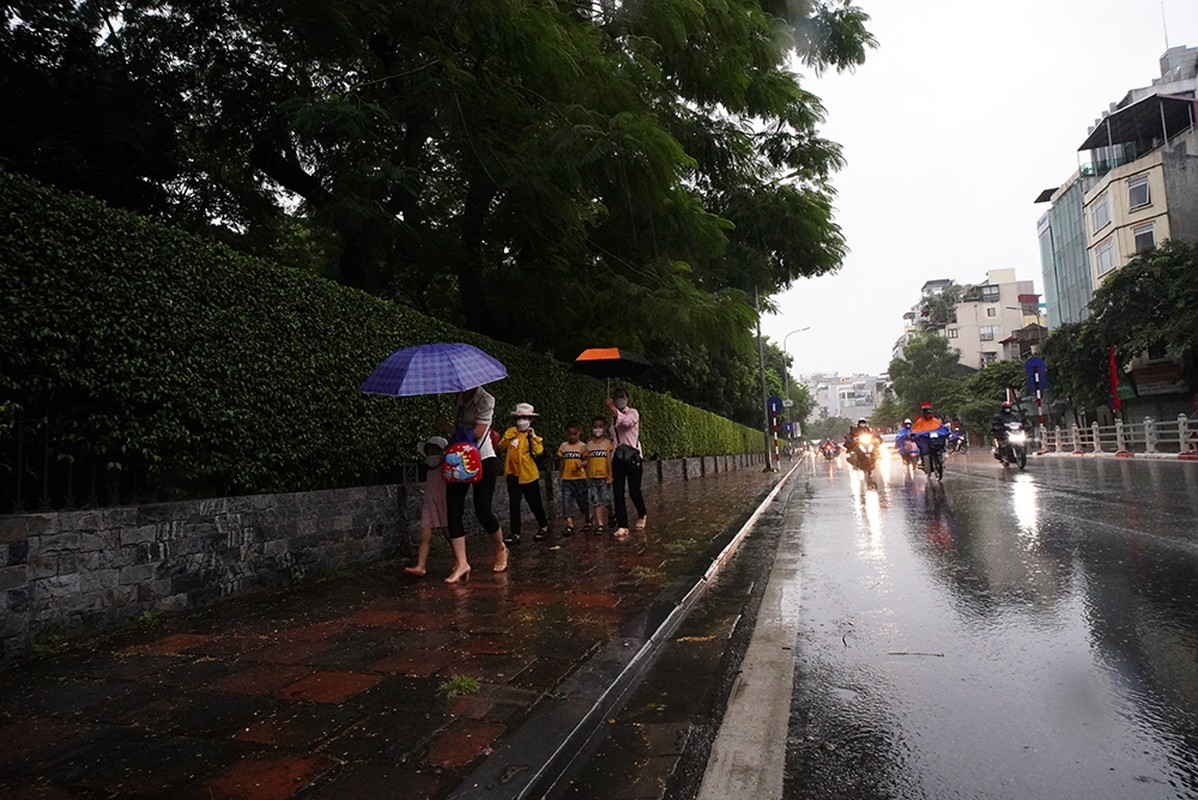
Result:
[963,114]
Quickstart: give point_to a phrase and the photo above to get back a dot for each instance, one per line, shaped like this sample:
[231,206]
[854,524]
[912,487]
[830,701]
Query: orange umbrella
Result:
[609,362]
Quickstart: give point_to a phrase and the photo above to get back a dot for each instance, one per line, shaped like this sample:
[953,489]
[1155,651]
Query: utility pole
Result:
[765,397]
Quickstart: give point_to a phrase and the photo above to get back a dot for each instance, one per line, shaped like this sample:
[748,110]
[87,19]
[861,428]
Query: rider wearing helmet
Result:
[927,420]
[1007,413]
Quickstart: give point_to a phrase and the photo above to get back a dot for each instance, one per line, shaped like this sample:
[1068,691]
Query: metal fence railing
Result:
[1149,436]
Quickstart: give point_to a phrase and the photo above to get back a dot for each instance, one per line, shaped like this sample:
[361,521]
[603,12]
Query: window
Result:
[1100,213]
[1137,192]
[989,358]
[952,333]
[987,332]
[1104,255]
[991,311]
[990,293]
[1145,237]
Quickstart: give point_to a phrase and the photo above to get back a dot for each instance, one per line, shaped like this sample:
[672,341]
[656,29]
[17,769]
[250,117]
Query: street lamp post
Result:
[786,370]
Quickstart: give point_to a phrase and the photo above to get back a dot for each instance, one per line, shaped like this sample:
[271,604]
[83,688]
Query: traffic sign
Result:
[787,403]
[775,404]
[1036,368]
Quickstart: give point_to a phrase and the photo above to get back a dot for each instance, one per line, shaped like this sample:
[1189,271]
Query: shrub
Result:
[200,371]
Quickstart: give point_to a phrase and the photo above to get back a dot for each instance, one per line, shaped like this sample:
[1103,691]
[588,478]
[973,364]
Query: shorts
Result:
[600,491]
[574,497]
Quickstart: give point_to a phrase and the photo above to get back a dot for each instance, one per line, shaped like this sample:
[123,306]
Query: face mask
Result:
[597,432]
[622,403]
[523,424]
[432,461]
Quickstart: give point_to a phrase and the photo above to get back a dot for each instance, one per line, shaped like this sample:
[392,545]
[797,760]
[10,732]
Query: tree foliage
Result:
[926,372]
[555,174]
[163,359]
[1151,303]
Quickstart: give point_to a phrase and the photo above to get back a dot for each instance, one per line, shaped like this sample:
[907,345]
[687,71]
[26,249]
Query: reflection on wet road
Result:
[1003,635]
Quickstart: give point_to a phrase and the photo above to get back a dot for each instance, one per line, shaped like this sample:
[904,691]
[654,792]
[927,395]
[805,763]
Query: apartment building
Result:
[981,324]
[852,396]
[1136,186]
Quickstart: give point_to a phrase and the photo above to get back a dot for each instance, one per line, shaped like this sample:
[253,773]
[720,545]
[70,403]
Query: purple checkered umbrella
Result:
[433,369]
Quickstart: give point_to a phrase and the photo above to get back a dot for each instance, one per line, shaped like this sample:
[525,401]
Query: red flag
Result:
[1118,404]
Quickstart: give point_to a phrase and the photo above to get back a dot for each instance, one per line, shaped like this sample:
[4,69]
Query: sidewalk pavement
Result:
[334,689]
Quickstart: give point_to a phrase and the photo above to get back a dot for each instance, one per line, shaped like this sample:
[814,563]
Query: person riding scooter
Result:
[851,443]
[1008,420]
[906,446]
[932,436]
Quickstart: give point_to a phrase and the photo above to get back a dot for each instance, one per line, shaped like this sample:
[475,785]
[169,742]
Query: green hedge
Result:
[209,372]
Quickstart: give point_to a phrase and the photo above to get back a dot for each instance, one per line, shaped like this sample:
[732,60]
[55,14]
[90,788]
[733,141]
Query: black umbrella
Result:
[610,362]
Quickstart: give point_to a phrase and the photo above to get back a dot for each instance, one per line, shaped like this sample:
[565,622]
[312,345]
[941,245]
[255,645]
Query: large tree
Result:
[927,372]
[557,174]
[1151,303]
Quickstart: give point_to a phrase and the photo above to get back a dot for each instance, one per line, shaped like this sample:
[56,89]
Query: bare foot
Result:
[620,533]
[640,523]
[417,571]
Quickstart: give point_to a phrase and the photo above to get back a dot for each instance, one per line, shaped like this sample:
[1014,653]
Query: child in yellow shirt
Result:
[573,455]
[598,470]
[521,446]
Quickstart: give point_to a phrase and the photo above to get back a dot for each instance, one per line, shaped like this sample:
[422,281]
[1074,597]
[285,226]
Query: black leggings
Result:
[622,471]
[531,492]
[484,491]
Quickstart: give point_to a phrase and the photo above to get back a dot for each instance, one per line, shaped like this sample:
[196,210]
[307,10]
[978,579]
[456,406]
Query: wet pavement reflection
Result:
[1004,634]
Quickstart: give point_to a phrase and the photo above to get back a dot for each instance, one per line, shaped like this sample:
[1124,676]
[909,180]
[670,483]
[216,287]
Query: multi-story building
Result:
[981,321]
[851,396]
[1137,185]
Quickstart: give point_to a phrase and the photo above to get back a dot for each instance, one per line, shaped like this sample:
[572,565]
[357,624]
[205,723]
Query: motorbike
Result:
[1011,445]
[909,452]
[865,452]
[958,442]
[830,452]
[932,453]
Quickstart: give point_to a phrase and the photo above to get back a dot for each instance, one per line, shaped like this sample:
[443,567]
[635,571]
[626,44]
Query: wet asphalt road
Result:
[1004,635]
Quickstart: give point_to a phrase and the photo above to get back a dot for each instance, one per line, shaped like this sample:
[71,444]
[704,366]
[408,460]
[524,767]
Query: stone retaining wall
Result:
[74,573]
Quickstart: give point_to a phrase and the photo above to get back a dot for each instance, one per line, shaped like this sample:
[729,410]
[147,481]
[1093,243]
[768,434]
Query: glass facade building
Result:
[1068,286]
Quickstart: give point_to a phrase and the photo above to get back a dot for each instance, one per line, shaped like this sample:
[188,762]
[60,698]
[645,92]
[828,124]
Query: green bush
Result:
[206,372]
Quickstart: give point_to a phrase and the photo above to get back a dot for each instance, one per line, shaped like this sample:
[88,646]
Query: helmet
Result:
[863,422]
[925,406]
[1006,405]
[907,423]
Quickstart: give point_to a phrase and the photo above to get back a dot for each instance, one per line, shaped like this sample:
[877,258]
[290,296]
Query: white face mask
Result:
[523,424]
[622,403]
[598,432]
[432,461]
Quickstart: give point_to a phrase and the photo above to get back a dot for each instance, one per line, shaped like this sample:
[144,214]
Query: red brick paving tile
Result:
[313,632]
[288,652]
[172,644]
[430,621]
[471,708]
[329,687]
[538,598]
[602,600]
[380,618]
[488,643]
[219,646]
[462,742]
[261,680]
[269,778]
[418,663]
[32,734]
[489,668]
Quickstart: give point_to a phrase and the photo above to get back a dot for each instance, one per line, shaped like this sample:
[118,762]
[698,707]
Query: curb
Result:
[1124,454]
[530,761]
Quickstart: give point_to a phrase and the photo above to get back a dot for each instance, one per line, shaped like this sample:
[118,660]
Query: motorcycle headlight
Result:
[864,439]
[1018,437]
